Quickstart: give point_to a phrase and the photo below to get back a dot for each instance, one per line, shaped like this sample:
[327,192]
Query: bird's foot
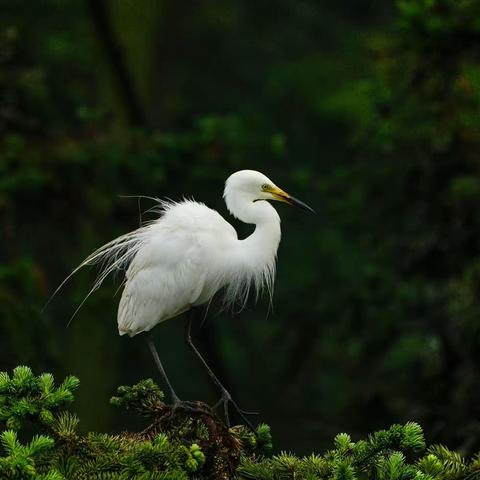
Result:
[193,407]
[225,400]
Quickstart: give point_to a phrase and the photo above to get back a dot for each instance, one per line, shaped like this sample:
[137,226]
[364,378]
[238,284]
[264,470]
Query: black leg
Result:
[226,397]
[151,345]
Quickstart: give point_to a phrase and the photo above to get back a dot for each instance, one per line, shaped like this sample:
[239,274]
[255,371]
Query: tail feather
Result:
[115,255]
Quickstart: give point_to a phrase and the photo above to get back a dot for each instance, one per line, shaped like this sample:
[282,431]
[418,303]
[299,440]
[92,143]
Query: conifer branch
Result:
[193,444]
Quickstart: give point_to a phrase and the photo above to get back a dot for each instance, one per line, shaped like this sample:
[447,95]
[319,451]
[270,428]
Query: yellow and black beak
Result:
[281,196]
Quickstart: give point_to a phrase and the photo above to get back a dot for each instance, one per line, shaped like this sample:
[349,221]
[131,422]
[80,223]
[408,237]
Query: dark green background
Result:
[367,110]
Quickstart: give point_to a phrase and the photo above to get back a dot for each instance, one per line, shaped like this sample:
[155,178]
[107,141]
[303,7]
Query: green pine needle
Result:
[188,450]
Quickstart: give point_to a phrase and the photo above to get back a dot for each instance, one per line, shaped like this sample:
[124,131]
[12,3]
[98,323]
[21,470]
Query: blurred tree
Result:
[405,240]
[373,120]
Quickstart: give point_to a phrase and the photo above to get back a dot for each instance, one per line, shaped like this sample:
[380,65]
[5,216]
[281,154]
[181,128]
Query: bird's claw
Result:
[188,406]
[222,401]
[225,400]
[239,410]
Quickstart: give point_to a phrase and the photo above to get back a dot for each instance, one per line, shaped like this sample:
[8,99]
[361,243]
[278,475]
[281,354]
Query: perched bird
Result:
[183,258]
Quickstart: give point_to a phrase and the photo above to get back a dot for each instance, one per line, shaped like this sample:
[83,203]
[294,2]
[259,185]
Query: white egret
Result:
[183,258]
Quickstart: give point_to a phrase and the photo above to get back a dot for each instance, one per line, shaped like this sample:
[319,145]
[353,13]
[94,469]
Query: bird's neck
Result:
[262,245]
[260,248]
[251,261]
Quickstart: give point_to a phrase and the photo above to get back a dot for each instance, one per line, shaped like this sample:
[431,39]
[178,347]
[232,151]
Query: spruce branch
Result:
[145,398]
[193,445]
[19,461]
[24,396]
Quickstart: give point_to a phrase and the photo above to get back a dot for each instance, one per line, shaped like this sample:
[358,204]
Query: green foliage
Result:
[369,113]
[23,396]
[402,231]
[439,19]
[179,446]
[145,398]
[450,465]
[385,455]
[19,461]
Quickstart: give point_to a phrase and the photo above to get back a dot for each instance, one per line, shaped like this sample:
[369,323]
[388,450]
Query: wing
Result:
[160,283]
[174,268]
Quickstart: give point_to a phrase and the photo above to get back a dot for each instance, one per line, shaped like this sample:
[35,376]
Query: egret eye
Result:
[265,186]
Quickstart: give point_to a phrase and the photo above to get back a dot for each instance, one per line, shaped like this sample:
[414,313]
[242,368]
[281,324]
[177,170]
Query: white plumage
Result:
[190,252]
[183,258]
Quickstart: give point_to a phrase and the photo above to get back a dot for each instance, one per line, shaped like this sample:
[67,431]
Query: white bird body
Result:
[182,263]
[190,252]
[183,258]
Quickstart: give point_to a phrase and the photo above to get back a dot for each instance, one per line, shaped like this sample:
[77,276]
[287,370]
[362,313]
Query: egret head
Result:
[253,186]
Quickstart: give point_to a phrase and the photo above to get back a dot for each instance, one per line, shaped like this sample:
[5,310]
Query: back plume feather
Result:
[242,280]
[117,254]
